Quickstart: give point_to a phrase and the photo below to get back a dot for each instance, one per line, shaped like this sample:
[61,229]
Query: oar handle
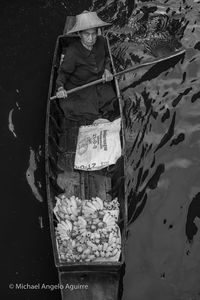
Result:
[81,87]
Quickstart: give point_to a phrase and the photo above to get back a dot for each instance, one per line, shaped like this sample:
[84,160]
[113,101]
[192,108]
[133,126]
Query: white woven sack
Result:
[98,146]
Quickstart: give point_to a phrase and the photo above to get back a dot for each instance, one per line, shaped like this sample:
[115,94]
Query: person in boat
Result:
[87,59]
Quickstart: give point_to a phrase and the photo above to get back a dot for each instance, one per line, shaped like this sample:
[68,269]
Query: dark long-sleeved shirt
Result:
[79,67]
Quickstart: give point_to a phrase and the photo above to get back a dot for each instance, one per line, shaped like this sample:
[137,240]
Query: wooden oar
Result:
[101,80]
[82,87]
[177,53]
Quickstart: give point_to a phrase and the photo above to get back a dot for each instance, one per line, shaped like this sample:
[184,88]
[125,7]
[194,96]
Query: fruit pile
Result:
[87,230]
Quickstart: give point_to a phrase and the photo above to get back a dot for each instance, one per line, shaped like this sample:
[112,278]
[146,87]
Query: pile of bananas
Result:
[87,230]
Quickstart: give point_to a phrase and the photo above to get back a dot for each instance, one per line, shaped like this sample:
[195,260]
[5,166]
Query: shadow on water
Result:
[161,106]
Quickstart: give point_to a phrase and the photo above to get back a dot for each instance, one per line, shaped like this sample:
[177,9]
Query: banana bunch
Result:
[102,251]
[82,223]
[88,208]
[67,208]
[64,229]
[113,208]
[98,203]
[109,221]
[114,214]
[112,205]
[87,229]
[92,206]
[113,246]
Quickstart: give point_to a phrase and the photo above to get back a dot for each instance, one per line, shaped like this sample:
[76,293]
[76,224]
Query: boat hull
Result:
[102,277]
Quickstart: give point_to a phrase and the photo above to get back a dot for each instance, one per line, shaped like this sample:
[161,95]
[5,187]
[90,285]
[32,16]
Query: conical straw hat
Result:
[87,20]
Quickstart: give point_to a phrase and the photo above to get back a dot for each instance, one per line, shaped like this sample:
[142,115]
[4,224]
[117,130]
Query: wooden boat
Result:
[103,278]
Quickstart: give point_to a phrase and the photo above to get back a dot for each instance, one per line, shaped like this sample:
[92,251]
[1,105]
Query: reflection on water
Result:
[41,222]
[163,151]
[11,126]
[10,123]
[161,106]
[30,176]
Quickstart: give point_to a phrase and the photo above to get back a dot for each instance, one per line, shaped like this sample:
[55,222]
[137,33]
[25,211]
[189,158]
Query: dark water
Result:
[162,133]
[28,33]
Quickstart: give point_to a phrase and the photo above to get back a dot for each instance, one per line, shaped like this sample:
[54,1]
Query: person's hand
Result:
[61,93]
[107,75]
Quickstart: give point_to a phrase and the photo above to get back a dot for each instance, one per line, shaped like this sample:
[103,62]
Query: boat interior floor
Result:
[100,285]
[82,184]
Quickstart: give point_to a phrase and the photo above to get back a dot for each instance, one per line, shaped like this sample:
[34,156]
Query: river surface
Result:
[162,110]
